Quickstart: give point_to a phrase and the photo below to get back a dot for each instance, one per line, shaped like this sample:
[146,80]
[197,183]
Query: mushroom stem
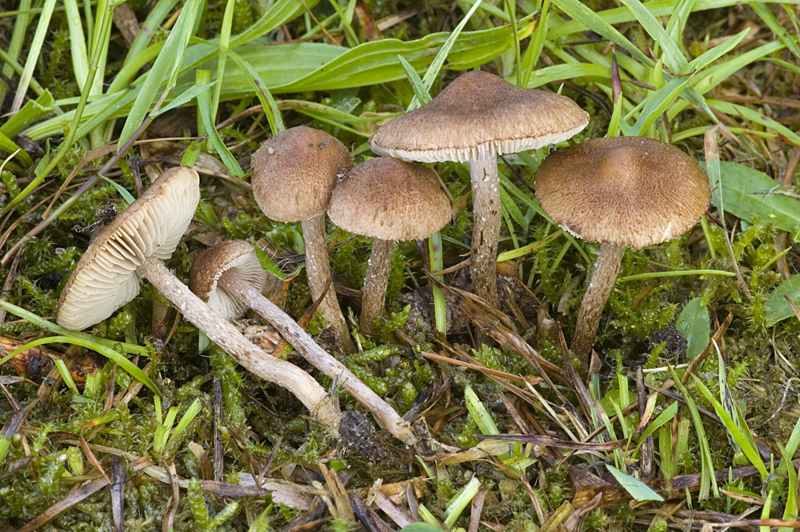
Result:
[317,356]
[319,274]
[486,227]
[605,275]
[375,283]
[255,360]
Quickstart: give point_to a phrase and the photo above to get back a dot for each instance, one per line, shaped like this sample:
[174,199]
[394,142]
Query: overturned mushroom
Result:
[133,246]
[474,119]
[225,274]
[624,191]
[294,173]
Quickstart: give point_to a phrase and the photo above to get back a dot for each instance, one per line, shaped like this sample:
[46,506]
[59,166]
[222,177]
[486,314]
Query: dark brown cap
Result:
[295,171]
[236,256]
[152,226]
[630,191]
[479,115]
[388,199]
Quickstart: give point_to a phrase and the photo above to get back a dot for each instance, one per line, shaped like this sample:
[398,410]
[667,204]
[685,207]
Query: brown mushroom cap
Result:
[388,199]
[479,115]
[236,256]
[629,191]
[295,171]
[152,226]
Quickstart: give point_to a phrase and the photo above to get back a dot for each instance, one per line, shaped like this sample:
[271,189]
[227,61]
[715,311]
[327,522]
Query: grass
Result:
[186,439]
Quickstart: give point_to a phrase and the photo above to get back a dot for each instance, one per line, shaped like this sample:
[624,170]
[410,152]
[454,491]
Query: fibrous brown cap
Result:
[479,115]
[388,199]
[630,191]
[295,171]
[236,256]
[152,226]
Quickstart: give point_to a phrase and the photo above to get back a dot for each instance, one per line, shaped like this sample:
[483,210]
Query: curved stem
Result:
[225,335]
[318,267]
[375,283]
[318,357]
[605,275]
[485,228]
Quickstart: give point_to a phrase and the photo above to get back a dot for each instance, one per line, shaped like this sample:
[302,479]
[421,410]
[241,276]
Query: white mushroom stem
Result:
[486,227]
[605,275]
[255,360]
[317,356]
[375,283]
[318,269]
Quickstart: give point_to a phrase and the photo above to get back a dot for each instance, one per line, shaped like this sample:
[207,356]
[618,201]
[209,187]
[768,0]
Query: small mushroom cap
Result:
[295,171]
[152,226]
[479,115]
[236,256]
[630,191]
[388,199]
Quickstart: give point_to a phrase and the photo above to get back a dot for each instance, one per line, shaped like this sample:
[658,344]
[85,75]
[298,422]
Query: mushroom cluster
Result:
[474,119]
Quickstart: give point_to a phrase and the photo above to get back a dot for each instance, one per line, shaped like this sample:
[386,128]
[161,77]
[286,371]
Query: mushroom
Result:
[624,191]
[132,246]
[227,277]
[388,200]
[294,173]
[474,119]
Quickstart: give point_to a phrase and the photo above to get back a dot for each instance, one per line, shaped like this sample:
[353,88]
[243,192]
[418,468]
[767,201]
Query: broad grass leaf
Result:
[778,308]
[635,487]
[755,197]
[376,62]
[694,325]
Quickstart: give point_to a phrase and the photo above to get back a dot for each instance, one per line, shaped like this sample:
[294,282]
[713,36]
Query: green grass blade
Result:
[436,252]
[77,39]
[421,94]
[535,46]
[166,67]
[67,144]
[282,11]
[663,418]
[433,71]
[204,108]
[769,19]
[185,97]
[671,54]
[709,56]
[107,352]
[657,103]
[224,44]
[707,479]
[8,145]
[33,53]
[21,22]
[61,331]
[147,30]
[595,22]
[741,435]
[66,375]
[32,111]
[677,21]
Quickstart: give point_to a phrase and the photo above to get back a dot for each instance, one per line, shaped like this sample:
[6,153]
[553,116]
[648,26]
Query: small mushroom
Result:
[474,119]
[294,173]
[624,191]
[227,277]
[132,246]
[388,200]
